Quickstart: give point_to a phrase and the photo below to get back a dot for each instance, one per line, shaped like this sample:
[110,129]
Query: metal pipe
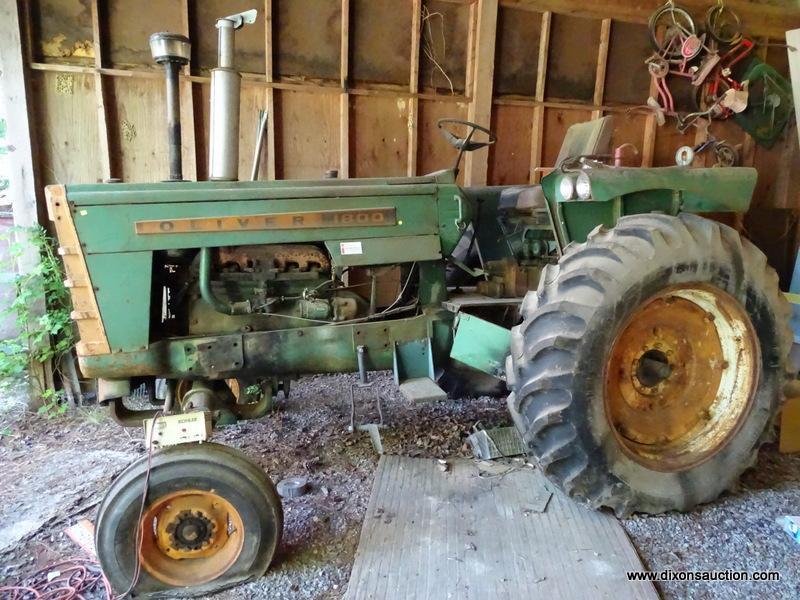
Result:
[373,292]
[169,398]
[172,50]
[225,43]
[262,127]
[223,160]
[207,294]
[174,121]
[223,152]
[361,351]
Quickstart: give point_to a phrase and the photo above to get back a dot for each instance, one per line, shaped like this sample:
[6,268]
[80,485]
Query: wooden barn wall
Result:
[358,85]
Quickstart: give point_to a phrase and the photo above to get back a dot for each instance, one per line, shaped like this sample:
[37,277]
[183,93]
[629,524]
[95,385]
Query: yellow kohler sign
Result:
[374,217]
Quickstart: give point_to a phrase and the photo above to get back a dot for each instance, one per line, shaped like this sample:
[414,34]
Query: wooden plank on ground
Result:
[455,534]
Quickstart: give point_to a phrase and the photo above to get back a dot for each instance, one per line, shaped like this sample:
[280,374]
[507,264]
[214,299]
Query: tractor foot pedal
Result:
[422,389]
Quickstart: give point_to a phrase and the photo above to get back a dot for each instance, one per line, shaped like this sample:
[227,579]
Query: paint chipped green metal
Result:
[432,214]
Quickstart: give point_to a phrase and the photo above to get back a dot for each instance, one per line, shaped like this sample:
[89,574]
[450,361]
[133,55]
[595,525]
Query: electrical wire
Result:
[70,579]
[139,538]
[65,580]
[402,291]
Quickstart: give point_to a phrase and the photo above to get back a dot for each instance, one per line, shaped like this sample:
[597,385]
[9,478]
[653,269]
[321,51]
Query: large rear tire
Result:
[650,362]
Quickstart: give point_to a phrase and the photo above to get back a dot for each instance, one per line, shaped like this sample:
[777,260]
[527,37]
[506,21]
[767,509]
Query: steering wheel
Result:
[465,144]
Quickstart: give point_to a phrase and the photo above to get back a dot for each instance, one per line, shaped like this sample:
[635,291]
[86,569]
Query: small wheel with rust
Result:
[212,519]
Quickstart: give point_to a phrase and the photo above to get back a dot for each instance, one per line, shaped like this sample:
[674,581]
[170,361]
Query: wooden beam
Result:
[344,98]
[758,18]
[602,65]
[413,87]
[102,114]
[537,128]
[188,142]
[476,164]
[19,166]
[26,30]
[269,71]
[258,80]
[650,130]
[544,49]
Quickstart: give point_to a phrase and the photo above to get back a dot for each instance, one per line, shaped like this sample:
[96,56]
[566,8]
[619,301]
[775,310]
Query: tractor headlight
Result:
[583,186]
[567,187]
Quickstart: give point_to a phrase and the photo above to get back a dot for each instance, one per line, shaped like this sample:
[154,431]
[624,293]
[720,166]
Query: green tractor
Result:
[644,347]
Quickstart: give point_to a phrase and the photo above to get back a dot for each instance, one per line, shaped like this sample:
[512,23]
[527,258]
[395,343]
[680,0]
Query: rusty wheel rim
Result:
[681,377]
[190,537]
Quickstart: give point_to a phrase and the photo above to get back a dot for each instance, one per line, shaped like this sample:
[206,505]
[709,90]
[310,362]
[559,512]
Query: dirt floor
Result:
[55,471]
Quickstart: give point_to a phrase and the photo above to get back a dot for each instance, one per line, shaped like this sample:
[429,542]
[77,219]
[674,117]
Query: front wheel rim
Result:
[681,377]
[190,537]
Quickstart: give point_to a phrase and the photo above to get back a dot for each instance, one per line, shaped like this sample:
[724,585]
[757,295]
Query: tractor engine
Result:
[239,289]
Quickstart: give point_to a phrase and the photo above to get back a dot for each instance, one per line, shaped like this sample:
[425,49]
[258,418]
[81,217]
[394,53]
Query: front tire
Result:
[650,362]
[212,520]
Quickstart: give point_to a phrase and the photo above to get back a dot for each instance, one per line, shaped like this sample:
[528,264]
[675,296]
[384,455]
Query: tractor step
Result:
[459,302]
[422,389]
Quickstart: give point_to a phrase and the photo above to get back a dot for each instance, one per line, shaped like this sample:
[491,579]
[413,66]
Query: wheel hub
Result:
[190,537]
[680,376]
[651,371]
[190,531]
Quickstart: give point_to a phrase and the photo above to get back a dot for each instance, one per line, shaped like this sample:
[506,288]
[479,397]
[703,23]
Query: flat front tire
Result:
[212,519]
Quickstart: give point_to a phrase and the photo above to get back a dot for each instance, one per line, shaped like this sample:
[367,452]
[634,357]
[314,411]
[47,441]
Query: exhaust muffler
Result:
[223,159]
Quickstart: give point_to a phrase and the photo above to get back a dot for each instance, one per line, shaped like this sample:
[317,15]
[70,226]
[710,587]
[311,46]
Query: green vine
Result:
[41,310]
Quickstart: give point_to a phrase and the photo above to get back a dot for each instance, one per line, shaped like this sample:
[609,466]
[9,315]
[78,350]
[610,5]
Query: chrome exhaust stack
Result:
[223,151]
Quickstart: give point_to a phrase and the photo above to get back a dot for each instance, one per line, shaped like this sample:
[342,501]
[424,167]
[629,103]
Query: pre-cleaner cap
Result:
[170,47]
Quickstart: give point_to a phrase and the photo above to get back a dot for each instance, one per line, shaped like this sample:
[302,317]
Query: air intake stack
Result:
[226,82]
[172,50]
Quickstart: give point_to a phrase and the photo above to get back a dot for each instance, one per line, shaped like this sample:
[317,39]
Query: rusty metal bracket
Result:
[218,355]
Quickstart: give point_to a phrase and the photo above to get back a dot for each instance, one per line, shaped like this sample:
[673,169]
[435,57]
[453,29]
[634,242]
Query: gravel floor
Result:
[60,467]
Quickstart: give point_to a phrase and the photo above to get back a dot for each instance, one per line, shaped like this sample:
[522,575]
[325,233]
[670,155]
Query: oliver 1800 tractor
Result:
[643,346]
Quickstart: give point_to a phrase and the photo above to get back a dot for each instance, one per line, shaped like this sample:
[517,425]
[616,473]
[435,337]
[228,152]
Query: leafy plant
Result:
[41,309]
[52,404]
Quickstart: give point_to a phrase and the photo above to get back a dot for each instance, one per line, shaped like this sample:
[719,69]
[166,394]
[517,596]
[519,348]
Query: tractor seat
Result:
[590,137]
[522,197]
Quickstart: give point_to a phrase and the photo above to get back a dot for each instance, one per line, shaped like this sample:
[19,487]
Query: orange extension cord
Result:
[78,575]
